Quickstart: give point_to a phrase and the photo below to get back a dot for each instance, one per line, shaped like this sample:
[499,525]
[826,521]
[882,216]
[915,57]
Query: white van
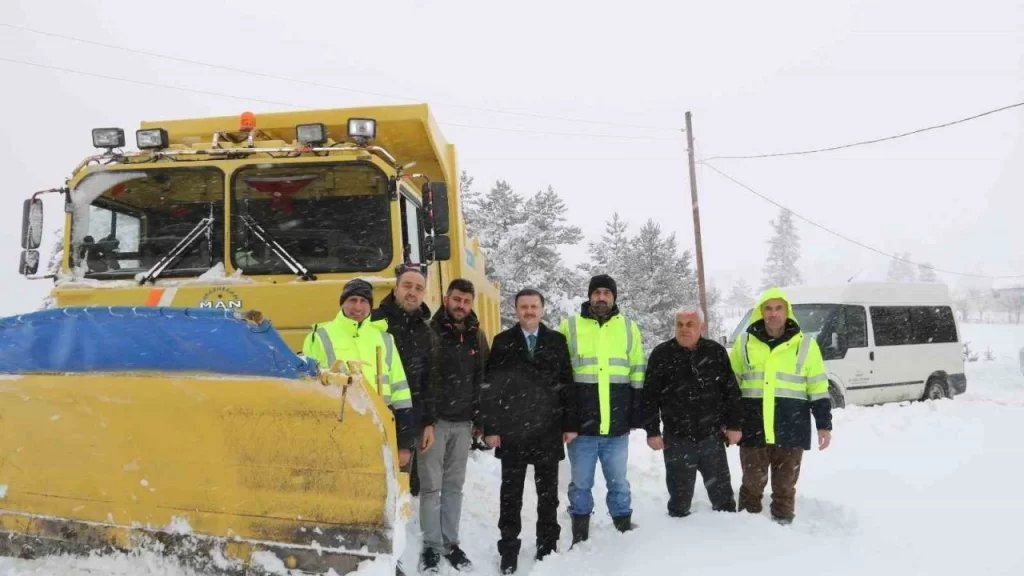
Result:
[882,342]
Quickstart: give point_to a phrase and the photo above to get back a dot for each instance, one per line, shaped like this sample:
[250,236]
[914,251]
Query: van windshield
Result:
[811,318]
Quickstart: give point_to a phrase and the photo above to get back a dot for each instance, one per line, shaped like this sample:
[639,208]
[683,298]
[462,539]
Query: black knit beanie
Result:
[357,287]
[603,281]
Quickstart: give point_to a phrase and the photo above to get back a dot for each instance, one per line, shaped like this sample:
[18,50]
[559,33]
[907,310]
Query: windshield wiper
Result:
[296,267]
[203,227]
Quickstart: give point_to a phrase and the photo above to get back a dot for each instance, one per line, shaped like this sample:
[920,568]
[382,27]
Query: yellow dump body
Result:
[207,462]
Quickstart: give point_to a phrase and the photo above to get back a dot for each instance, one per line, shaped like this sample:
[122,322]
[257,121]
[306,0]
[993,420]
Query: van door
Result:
[849,362]
[898,361]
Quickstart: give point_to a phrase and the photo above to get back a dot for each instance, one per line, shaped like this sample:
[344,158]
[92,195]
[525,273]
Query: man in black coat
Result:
[691,385]
[419,348]
[525,410]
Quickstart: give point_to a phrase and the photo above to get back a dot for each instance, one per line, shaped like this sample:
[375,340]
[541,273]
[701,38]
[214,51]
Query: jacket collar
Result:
[442,319]
[351,327]
[586,313]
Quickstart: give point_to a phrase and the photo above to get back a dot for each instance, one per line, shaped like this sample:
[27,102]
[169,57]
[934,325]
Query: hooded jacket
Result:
[782,381]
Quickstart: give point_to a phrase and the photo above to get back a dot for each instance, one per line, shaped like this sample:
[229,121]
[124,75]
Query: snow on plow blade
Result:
[193,433]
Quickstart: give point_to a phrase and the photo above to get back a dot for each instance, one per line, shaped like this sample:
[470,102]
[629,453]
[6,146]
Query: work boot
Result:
[509,563]
[622,523]
[782,521]
[543,550]
[580,527]
[430,561]
[457,558]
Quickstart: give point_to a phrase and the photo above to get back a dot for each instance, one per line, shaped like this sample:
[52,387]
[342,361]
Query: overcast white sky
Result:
[758,77]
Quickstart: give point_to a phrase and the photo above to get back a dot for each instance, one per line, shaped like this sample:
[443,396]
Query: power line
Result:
[847,238]
[290,105]
[866,142]
[325,85]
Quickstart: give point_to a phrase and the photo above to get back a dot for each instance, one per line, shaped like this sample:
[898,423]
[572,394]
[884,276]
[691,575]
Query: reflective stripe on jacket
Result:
[608,370]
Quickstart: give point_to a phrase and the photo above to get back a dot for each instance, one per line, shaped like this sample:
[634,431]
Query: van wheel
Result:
[936,389]
[836,397]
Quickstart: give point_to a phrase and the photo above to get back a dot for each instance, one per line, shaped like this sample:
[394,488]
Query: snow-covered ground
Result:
[904,489]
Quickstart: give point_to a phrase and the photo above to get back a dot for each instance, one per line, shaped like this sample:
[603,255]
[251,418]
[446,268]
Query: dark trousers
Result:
[683,459]
[513,479]
[784,465]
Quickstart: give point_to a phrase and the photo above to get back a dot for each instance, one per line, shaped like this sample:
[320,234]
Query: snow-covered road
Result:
[922,488]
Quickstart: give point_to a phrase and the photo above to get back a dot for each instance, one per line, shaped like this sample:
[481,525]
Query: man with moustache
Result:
[607,356]
[525,410]
[690,384]
[783,382]
[442,470]
[406,317]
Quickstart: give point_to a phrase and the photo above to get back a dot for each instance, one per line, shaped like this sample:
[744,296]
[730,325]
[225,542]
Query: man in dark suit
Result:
[527,412]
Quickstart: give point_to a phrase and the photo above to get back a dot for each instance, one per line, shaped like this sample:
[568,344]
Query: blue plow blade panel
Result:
[145,339]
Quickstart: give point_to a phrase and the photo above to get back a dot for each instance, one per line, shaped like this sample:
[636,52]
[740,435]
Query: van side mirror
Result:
[835,341]
[32,224]
[439,248]
[435,199]
[29,263]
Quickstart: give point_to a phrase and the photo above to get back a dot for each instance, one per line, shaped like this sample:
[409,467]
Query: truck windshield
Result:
[328,217]
[124,223]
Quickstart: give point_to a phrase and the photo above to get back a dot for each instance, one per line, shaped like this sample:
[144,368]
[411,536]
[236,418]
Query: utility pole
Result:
[696,217]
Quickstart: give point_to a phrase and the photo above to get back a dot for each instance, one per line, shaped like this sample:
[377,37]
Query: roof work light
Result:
[108,137]
[152,138]
[362,128]
[311,134]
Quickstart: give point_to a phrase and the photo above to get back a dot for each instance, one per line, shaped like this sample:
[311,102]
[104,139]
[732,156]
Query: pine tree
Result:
[741,295]
[901,269]
[925,273]
[522,240]
[780,269]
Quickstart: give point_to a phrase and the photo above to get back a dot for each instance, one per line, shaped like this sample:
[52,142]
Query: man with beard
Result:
[525,407]
[406,317]
[607,356]
[442,470]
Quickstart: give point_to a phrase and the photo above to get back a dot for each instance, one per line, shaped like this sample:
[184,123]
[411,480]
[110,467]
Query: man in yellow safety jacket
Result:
[352,336]
[607,355]
[783,381]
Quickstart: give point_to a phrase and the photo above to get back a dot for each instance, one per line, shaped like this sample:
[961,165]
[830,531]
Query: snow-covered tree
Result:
[925,273]
[780,269]
[522,239]
[652,276]
[741,295]
[901,269]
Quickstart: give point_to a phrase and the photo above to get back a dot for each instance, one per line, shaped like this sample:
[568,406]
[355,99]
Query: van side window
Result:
[933,324]
[902,325]
[891,325]
[855,326]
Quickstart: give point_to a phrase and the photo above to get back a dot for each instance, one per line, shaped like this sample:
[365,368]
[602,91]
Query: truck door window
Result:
[412,230]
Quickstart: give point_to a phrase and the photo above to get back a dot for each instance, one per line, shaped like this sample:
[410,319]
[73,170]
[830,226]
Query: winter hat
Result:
[357,287]
[603,281]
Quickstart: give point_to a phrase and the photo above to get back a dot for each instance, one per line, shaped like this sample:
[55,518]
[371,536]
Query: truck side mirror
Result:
[439,248]
[29,263]
[435,195]
[32,224]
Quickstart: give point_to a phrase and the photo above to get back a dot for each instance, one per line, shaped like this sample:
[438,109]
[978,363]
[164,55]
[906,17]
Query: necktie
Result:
[531,341]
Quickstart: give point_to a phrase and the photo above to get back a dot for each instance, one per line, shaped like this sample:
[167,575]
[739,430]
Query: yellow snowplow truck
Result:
[149,407]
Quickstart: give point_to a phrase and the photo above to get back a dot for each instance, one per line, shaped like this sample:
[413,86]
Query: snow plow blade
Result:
[195,434]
